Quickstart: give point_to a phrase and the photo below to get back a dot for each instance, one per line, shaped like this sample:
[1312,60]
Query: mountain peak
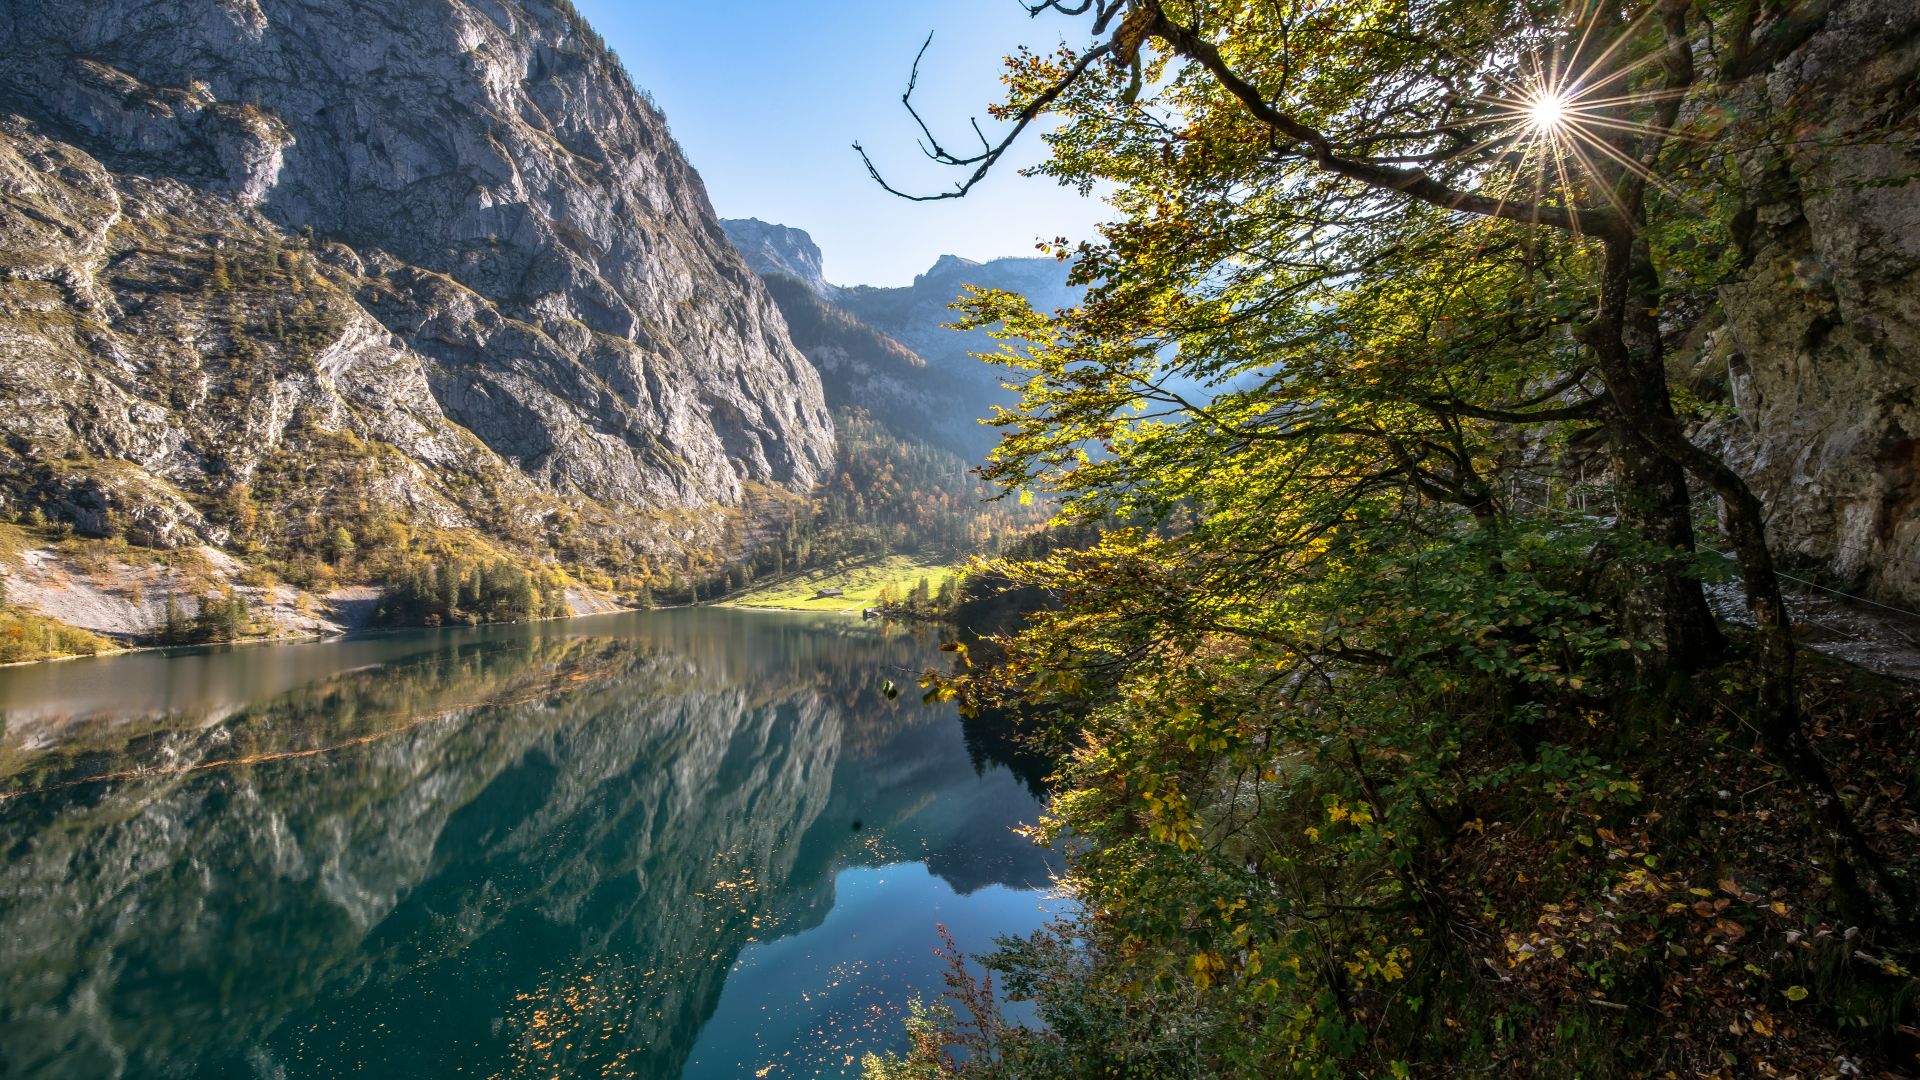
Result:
[779,249]
[947,265]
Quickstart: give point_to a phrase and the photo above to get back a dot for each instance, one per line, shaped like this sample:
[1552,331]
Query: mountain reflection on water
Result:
[558,849]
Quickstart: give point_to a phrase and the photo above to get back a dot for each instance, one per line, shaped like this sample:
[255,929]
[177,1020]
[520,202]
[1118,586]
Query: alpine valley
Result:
[319,313]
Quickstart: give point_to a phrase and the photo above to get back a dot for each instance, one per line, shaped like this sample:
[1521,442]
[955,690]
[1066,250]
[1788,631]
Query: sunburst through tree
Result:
[1420,254]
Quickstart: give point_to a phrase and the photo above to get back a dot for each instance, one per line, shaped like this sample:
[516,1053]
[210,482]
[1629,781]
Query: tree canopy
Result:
[1406,608]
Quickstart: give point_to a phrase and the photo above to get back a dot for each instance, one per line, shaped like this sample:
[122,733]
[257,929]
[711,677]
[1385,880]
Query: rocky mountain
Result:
[271,266]
[888,350]
[917,314]
[1818,342]
[779,249]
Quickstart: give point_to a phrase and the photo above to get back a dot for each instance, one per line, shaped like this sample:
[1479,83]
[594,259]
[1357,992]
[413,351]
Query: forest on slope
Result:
[1427,698]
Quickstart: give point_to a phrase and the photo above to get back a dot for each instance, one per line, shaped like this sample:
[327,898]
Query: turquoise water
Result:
[687,843]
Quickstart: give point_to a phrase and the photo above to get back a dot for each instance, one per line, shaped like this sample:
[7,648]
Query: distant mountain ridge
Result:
[779,249]
[857,335]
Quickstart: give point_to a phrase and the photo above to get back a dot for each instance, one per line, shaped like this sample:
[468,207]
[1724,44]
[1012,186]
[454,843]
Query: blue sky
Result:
[768,96]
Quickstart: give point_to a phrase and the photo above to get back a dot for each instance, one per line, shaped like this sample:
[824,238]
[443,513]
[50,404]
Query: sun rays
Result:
[1568,124]
[1547,112]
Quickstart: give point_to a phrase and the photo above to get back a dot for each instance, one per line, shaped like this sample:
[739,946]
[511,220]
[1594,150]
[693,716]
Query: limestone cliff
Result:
[1820,345]
[782,250]
[270,264]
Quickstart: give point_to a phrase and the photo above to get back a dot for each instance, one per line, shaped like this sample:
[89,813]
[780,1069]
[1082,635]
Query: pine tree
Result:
[173,625]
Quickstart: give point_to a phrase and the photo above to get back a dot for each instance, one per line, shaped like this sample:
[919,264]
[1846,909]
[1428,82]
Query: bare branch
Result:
[1583,410]
[990,155]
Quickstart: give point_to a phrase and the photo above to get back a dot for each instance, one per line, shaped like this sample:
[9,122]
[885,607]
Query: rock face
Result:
[445,239]
[1821,343]
[778,249]
[888,351]
[917,316]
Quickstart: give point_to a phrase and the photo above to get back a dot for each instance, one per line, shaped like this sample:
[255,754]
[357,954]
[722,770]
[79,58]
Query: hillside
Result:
[890,351]
[276,269]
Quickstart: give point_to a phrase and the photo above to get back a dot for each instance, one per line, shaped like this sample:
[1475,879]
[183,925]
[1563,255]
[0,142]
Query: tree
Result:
[1366,132]
[1379,273]
[173,623]
[1271,164]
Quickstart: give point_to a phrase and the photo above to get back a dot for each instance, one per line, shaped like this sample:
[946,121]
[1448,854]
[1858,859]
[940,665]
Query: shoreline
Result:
[298,639]
[856,611]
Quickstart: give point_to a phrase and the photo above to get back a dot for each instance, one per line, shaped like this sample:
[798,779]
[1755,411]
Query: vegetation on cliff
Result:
[1391,708]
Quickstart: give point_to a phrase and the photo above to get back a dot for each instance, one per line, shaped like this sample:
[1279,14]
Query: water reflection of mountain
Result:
[540,844]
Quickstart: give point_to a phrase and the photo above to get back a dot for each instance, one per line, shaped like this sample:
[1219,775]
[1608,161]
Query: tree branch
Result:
[1412,182]
[990,155]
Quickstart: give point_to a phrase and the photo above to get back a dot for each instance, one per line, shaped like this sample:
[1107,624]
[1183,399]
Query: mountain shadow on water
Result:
[541,847]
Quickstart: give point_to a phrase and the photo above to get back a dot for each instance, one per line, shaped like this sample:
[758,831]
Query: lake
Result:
[696,843]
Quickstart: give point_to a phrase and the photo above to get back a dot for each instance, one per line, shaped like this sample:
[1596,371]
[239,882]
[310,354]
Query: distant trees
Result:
[888,495]
[922,601]
[891,495]
[445,591]
[225,616]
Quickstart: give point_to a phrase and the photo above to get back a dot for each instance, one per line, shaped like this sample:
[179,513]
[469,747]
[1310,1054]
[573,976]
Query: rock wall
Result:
[888,351]
[451,229]
[780,249]
[1821,341]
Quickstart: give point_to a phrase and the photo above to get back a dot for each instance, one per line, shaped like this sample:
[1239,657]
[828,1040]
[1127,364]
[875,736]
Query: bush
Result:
[26,636]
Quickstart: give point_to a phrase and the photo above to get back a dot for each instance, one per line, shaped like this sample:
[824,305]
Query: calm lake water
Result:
[685,843]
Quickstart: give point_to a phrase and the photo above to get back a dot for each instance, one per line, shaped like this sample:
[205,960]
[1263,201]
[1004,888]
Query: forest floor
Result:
[861,581]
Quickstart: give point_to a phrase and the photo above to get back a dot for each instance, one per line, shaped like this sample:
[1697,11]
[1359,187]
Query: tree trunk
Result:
[1625,339]
[1669,609]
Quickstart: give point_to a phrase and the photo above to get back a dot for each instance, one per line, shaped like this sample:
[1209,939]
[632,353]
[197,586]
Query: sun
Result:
[1547,111]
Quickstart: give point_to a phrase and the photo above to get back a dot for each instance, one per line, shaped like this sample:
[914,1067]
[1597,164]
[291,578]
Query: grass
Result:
[862,582]
[15,541]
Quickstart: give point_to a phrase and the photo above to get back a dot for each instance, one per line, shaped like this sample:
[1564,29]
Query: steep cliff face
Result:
[780,249]
[445,241]
[1821,343]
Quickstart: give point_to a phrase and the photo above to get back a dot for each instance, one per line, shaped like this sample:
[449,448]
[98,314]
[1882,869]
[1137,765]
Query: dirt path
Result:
[1882,639]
